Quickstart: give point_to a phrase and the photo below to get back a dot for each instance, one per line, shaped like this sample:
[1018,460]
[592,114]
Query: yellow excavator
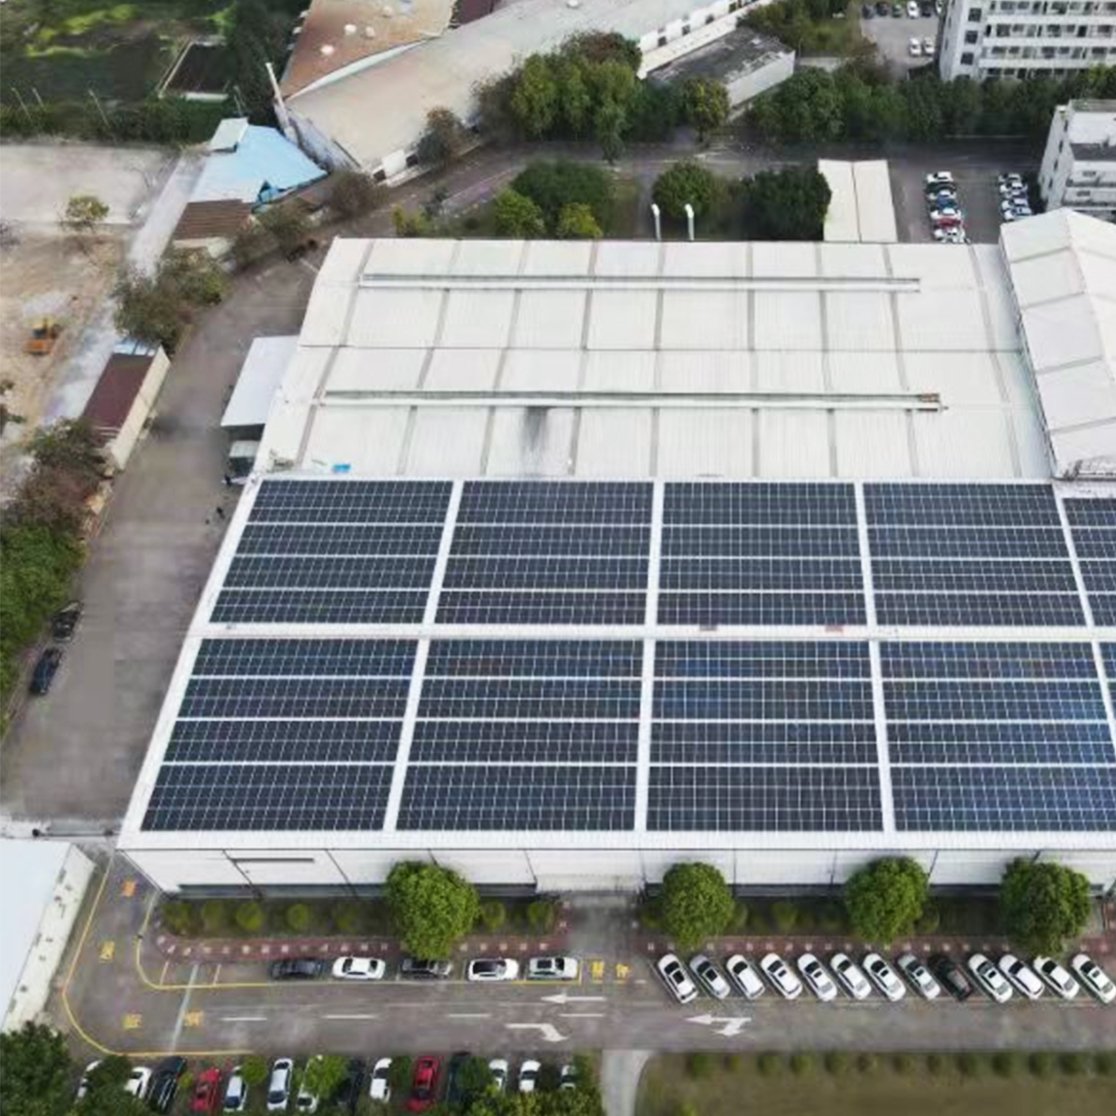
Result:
[43,335]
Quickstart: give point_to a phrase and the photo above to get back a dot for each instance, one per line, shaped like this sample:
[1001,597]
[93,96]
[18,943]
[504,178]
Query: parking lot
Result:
[892,36]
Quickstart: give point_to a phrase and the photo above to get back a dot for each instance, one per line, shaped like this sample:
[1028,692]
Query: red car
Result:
[207,1091]
[424,1084]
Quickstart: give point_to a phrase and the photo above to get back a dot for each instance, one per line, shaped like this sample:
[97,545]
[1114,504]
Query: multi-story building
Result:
[1079,164]
[1017,38]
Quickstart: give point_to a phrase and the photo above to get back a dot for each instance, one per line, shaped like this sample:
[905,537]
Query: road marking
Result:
[732,1026]
[469,1015]
[107,951]
[548,1031]
[132,1022]
[622,970]
[243,1018]
[596,971]
[343,1015]
[163,972]
[180,1022]
[128,889]
[582,1014]
[566,998]
[193,1018]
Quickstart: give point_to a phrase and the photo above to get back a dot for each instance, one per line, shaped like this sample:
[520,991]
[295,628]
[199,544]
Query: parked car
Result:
[424,1084]
[498,1067]
[674,977]
[529,1076]
[305,1099]
[912,9]
[820,982]
[416,968]
[883,8]
[780,976]
[914,48]
[45,670]
[1095,979]
[492,968]
[926,9]
[553,968]
[951,976]
[296,968]
[989,978]
[359,968]
[939,178]
[379,1087]
[64,621]
[139,1081]
[207,1091]
[709,976]
[947,216]
[1055,976]
[867,11]
[744,973]
[236,1092]
[164,1083]
[455,1094]
[279,1085]
[897,11]
[884,977]
[919,976]
[850,976]
[347,1094]
[928,47]
[1021,976]
[567,1077]
[84,1083]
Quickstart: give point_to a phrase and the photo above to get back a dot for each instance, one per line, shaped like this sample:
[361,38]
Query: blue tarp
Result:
[265,165]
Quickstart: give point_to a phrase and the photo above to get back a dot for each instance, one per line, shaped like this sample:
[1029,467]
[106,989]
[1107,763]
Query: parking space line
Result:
[349,1015]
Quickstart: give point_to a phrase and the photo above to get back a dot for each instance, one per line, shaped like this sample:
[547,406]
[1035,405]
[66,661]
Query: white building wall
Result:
[1016,38]
[1065,178]
[121,446]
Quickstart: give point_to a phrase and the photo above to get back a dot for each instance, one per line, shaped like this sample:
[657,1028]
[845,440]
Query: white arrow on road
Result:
[732,1026]
[549,1032]
[566,998]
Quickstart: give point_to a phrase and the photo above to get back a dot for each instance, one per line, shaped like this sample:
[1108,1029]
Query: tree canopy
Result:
[706,105]
[516,215]
[695,903]
[84,213]
[554,184]
[785,205]
[1043,904]
[37,1073]
[444,139]
[885,898]
[576,222]
[431,907]
[686,182]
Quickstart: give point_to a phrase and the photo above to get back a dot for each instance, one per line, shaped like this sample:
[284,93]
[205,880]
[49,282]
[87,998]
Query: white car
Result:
[939,178]
[947,215]
[492,968]
[928,47]
[820,982]
[279,1085]
[708,975]
[743,972]
[498,1067]
[1057,979]
[1007,215]
[529,1076]
[783,980]
[850,976]
[884,977]
[1095,979]
[675,978]
[83,1084]
[567,1077]
[307,1101]
[914,48]
[919,976]
[1021,975]
[379,1087]
[912,9]
[989,978]
[553,968]
[139,1080]
[236,1092]
[359,968]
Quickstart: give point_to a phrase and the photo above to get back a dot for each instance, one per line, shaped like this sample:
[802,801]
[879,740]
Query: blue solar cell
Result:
[767,700]
[543,540]
[923,575]
[1091,543]
[690,658]
[787,575]
[283,741]
[330,572]
[525,742]
[305,656]
[725,504]
[565,658]
[978,661]
[760,542]
[722,742]
[516,698]
[709,609]
[295,697]
[1091,513]
[319,606]
[492,606]
[555,502]
[948,541]
[538,572]
[951,700]
[1103,606]
[1099,577]
[1009,742]
[1018,610]
[957,505]
[351,501]
[287,539]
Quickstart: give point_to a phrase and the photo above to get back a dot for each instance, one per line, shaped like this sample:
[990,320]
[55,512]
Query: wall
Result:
[1064,180]
[45,955]
[121,446]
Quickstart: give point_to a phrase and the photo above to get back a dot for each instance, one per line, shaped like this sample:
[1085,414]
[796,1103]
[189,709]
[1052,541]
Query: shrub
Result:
[250,916]
[903,1063]
[298,918]
[514,214]
[287,223]
[553,184]
[1005,1063]
[866,1063]
[699,1064]
[968,1063]
[348,917]
[178,916]
[542,914]
[705,104]
[251,243]
[352,193]
[739,921]
[492,915]
[254,1070]
[1043,904]
[1104,1063]
[214,916]
[836,1062]
[886,898]
[1041,1063]
[785,915]
[769,1063]
[758,922]
[789,204]
[686,182]
[431,907]
[831,918]
[687,1108]
[576,222]
[930,921]
[935,1064]
[1072,1062]
[399,1074]
[801,1063]
[696,903]
[444,139]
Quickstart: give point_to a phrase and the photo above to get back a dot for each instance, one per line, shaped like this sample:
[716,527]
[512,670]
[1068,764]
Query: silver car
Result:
[850,976]
[709,976]
[883,976]
[1056,978]
[744,973]
[989,978]
[919,976]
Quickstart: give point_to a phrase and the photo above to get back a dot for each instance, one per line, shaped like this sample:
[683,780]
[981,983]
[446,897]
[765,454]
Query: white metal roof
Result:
[260,376]
[641,359]
[1063,273]
[861,207]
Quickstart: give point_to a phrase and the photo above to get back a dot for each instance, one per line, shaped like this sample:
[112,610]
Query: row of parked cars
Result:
[947,218]
[1015,198]
[912,10]
[999,980]
[479,969]
[62,627]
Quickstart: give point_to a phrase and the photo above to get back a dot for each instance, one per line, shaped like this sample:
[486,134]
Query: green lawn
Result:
[736,1087]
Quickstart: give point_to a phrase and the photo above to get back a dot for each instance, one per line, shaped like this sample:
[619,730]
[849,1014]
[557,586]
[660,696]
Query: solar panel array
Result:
[744,730]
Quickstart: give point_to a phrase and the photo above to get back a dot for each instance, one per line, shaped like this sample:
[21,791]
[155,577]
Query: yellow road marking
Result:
[107,951]
[128,889]
[193,1018]
[132,1022]
[622,970]
[597,970]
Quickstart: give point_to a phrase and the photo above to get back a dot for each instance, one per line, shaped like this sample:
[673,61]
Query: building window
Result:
[970,37]
[976,15]
[967,58]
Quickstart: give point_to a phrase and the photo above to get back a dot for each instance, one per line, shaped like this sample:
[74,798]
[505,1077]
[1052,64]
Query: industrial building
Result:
[1025,38]
[1079,162]
[564,561]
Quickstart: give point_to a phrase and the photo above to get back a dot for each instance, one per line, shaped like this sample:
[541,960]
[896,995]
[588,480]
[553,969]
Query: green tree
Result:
[7,415]
[254,1070]
[324,1073]
[542,915]
[885,898]
[805,108]
[349,917]
[444,139]
[250,916]
[111,1102]
[353,193]
[112,1073]
[785,205]
[706,106]
[493,915]
[214,916]
[36,1079]
[575,96]
[534,100]
[431,907]
[682,183]
[609,123]
[288,224]
[553,184]
[298,917]
[696,903]
[474,1080]
[177,916]
[399,1073]
[148,311]
[515,215]
[83,215]
[576,222]
[1043,904]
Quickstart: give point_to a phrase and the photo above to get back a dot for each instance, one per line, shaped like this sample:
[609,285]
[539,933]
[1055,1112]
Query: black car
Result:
[347,1094]
[164,1083]
[415,968]
[455,1093]
[883,9]
[927,10]
[867,11]
[952,977]
[297,968]
[45,670]
[65,621]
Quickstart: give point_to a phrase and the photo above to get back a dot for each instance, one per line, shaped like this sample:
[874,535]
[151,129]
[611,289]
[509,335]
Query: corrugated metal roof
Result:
[260,376]
[116,391]
[253,164]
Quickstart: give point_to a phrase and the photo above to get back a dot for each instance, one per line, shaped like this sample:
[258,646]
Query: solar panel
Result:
[294,697]
[305,656]
[994,742]
[525,742]
[1099,512]
[511,607]
[708,610]
[759,503]
[944,540]
[341,539]
[760,542]
[761,742]
[974,505]
[283,741]
[319,606]
[555,502]
[350,501]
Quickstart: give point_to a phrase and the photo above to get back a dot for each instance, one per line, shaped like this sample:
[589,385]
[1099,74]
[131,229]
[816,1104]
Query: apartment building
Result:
[1018,38]
[1079,163]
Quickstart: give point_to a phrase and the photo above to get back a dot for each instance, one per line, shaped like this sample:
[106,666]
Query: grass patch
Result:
[740,1090]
